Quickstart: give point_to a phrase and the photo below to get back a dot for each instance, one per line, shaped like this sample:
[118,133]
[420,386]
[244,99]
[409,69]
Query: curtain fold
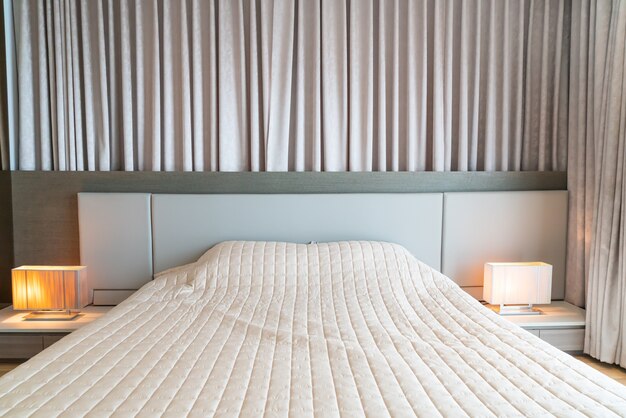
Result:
[4,130]
[276,85]
[581,156]
[597,175]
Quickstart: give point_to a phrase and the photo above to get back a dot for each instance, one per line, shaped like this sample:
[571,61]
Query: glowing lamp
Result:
[517,286]
[52,292]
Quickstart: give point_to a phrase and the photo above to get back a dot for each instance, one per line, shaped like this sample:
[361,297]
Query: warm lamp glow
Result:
[49,287]
[517,283]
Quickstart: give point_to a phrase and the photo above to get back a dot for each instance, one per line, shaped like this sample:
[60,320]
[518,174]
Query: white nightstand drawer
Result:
[20,346]
[564,339]
[560,324]
[48,340]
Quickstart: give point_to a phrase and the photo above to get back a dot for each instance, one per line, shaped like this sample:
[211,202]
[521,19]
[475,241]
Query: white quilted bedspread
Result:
[276,329]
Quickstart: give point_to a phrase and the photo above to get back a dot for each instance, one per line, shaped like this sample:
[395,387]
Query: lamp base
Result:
[518,310]
[51,316]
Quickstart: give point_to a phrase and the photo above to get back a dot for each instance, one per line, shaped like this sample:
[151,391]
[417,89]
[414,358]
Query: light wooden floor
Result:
[7,367]
[610,370]
[614,372]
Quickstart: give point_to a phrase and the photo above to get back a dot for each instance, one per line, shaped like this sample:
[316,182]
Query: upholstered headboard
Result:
[126,237]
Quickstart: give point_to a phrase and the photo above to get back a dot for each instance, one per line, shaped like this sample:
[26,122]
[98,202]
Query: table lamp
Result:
[517,286]
[51,292]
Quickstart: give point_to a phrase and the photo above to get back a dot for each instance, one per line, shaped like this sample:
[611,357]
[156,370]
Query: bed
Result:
[271,328]
[263,324]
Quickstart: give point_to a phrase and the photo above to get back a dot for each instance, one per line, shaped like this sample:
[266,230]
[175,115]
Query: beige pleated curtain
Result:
[4,133]
[332,85]
[597,175]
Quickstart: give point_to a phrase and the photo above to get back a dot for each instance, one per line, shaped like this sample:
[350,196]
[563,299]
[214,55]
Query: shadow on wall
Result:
[6,236]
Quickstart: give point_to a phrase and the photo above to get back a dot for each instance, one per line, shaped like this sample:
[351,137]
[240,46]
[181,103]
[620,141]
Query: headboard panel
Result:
[185,226]
[503,226]
[115,243]
[125,238]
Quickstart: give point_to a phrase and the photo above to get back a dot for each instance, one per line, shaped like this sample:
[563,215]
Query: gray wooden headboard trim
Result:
[45,185]
[6,235]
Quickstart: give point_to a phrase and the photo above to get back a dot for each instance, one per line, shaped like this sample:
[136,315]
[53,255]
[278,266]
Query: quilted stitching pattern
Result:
[350,328]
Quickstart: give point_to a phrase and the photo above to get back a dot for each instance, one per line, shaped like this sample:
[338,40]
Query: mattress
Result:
[276,329]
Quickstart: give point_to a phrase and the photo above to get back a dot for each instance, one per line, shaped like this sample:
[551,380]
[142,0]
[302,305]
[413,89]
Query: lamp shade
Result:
[49,287]
[517,283]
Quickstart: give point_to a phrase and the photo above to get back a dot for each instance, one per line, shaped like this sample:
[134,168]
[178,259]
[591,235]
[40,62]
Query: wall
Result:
[6,236]
[45,214]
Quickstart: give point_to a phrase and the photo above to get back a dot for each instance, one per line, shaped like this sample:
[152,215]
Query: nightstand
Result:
[21,340]
[561,324]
